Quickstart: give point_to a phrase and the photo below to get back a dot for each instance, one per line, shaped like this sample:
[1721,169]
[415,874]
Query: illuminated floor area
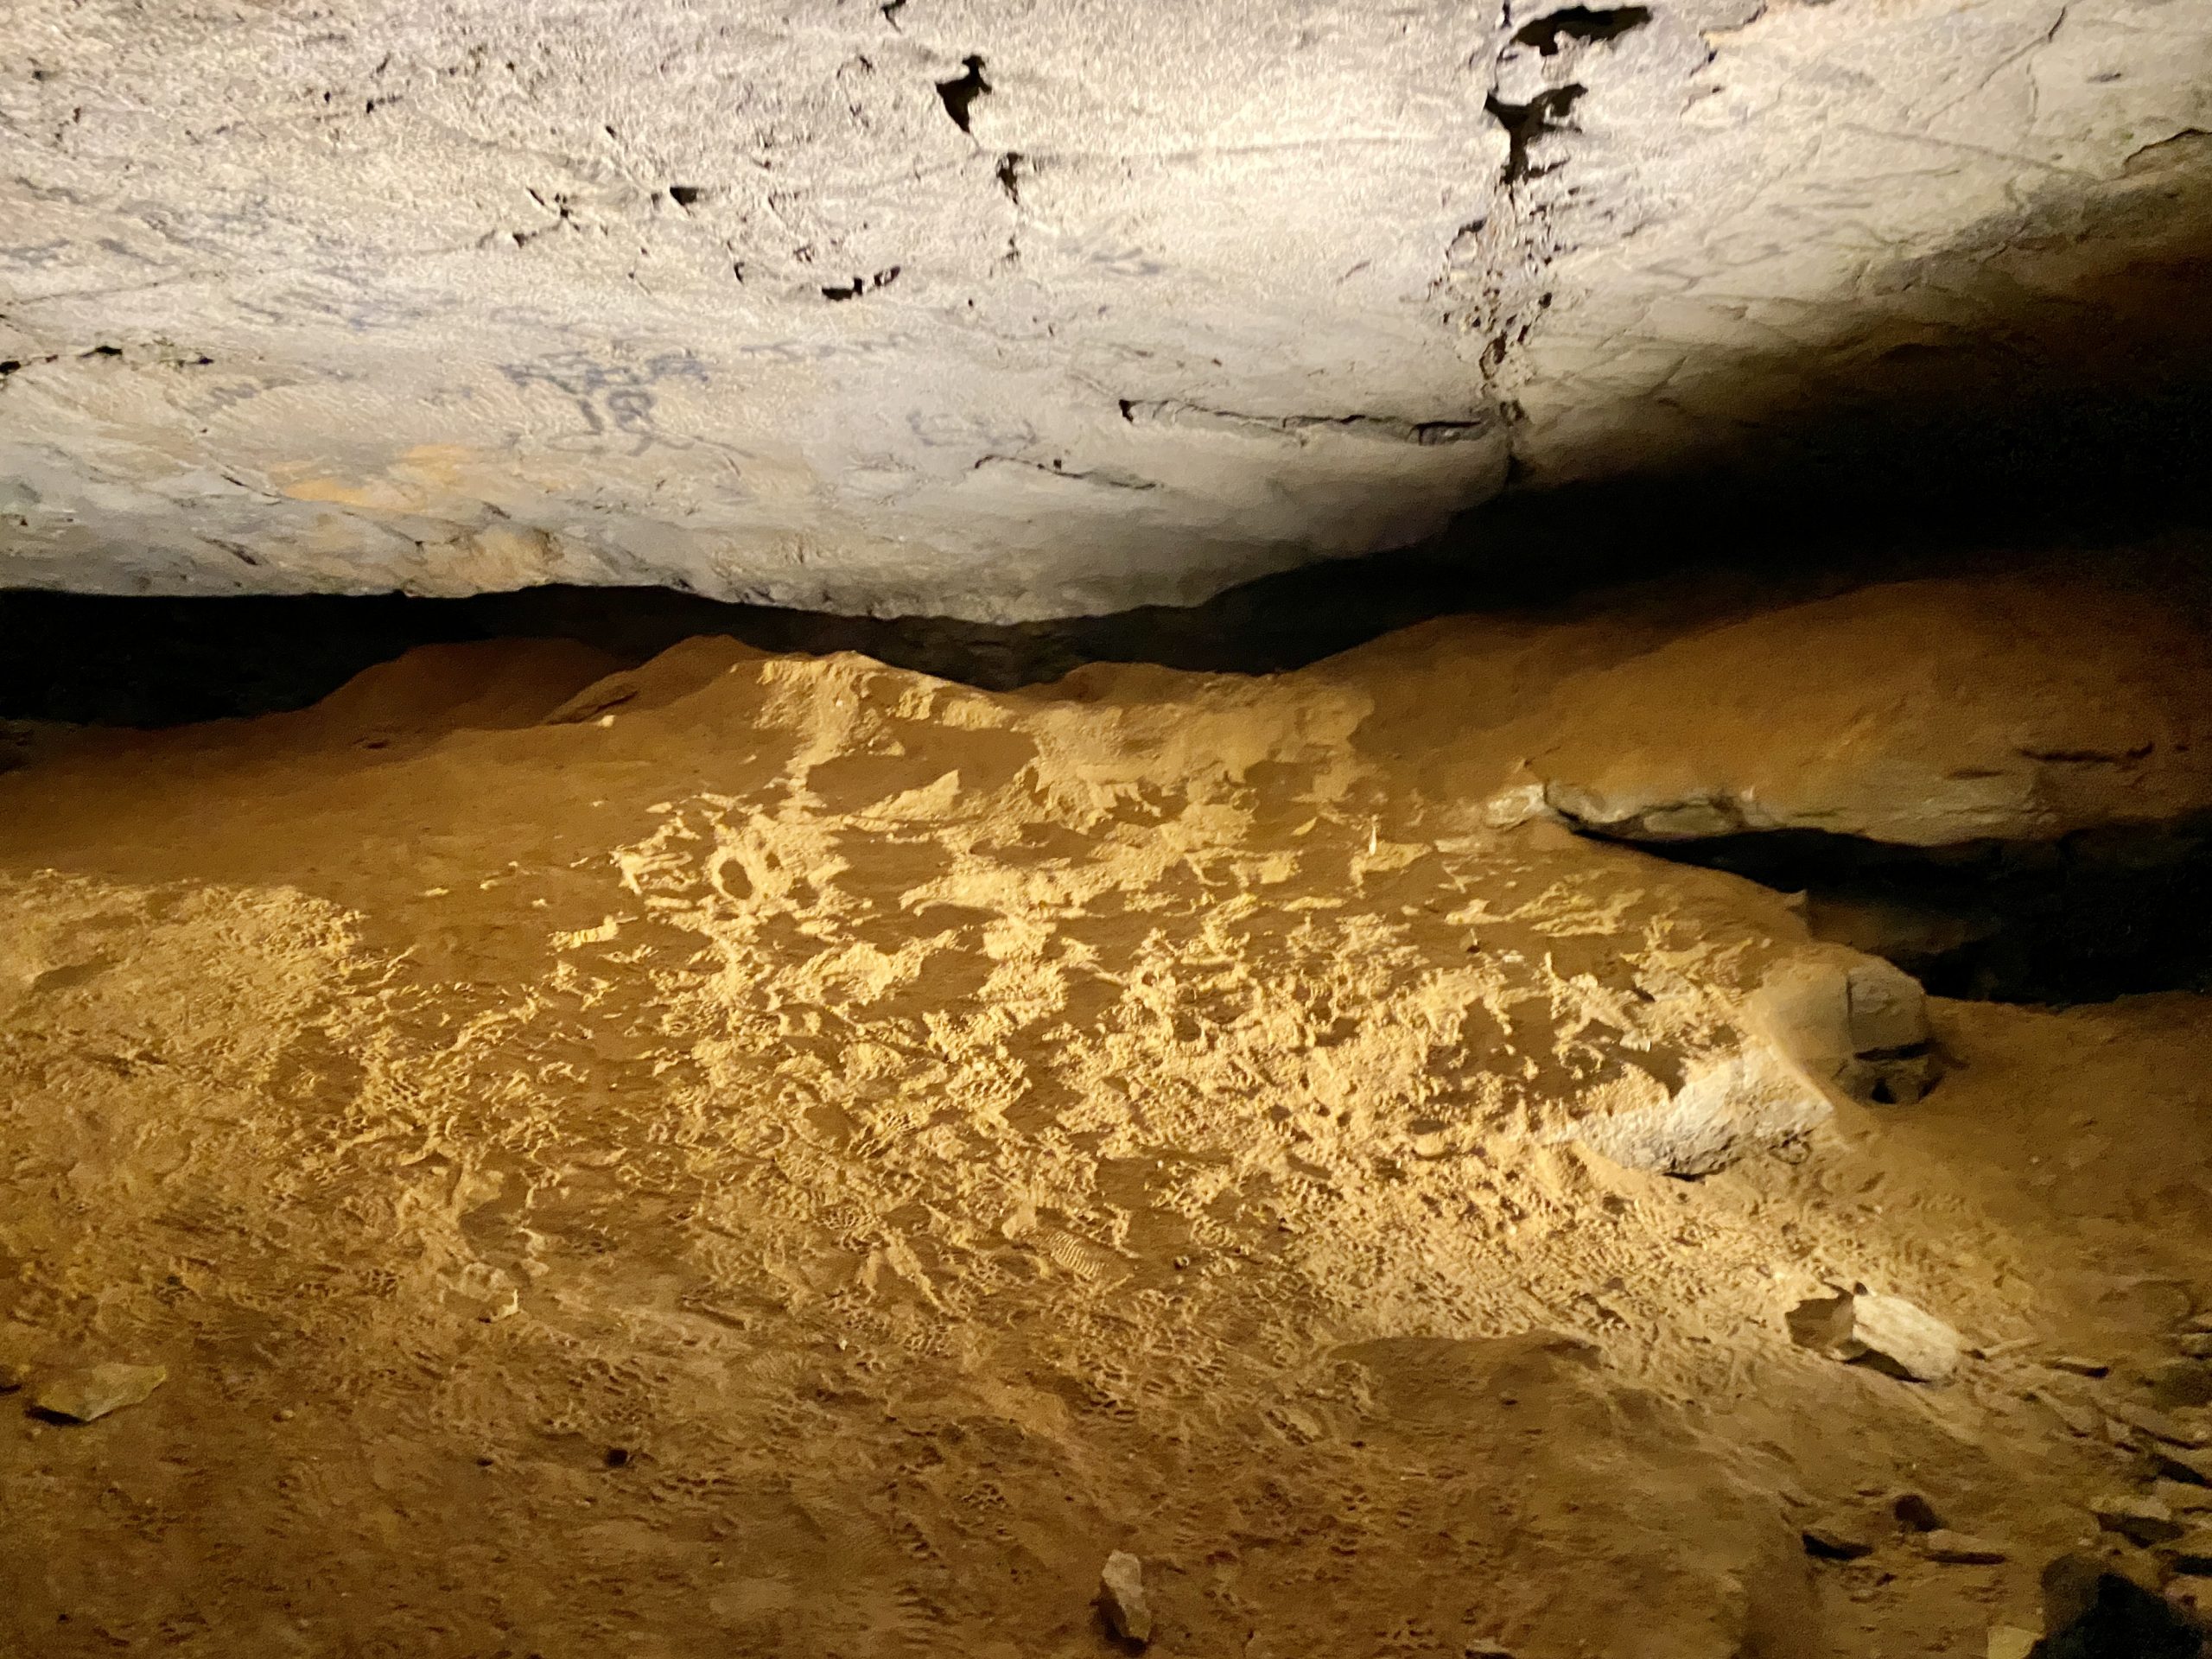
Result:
[774,1155]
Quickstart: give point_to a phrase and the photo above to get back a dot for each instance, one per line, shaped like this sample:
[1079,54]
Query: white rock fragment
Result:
[1886,1332]
[2011,1642]
[1524,804]
[87,1395]
[1729,1104]
[1121,1593]
[1852,1020]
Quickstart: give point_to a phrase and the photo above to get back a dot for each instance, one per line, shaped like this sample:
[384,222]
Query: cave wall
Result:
[1012,311]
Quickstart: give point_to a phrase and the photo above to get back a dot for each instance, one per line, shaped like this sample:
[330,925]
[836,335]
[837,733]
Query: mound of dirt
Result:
[790,1156]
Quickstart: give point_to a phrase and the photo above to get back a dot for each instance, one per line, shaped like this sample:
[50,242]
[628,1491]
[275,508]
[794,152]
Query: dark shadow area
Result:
[2048,376]
[2091,917]
[164,661]
[2091,1612]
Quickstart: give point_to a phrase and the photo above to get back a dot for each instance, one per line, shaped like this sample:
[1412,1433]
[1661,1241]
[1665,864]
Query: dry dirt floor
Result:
[771,1155]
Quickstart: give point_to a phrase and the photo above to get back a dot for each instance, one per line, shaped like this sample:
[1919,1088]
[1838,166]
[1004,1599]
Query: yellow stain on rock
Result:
[427,479]
[378,495]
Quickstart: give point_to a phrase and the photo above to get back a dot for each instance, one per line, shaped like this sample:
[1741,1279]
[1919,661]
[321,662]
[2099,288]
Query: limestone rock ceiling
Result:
[990,310]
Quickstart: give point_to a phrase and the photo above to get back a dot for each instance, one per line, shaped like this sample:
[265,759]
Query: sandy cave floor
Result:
[775,1155]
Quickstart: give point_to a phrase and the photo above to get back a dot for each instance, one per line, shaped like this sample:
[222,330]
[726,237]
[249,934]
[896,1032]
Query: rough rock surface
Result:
[1729,1103]
[1925,712]
[89,1393]
[998,311]
[1121,1591]
[1886,1332]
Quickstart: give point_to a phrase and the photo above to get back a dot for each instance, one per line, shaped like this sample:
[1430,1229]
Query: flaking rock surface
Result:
[962,307]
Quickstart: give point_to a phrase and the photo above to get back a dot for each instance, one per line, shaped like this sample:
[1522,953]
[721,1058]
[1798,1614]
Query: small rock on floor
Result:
[1886,1333]
[2139,1520]
[87,1395]
[1122,1594]
[2077,1364]
[2192,1432]
[2011,1642]
[1958,1549]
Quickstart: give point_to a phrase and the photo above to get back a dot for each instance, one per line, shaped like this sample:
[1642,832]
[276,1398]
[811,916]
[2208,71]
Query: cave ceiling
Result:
[1006,310]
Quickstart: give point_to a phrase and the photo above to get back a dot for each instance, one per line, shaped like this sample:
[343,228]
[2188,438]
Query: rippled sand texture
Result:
[769,1155]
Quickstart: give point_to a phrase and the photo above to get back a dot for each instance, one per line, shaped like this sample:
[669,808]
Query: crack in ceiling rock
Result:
[449,270]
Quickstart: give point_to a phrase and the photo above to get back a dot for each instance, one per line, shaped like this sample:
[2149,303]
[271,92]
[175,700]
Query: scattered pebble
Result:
[1960,1550]
[2139,1520]
[1122,1594]
[87,1395]
[1886,1332]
